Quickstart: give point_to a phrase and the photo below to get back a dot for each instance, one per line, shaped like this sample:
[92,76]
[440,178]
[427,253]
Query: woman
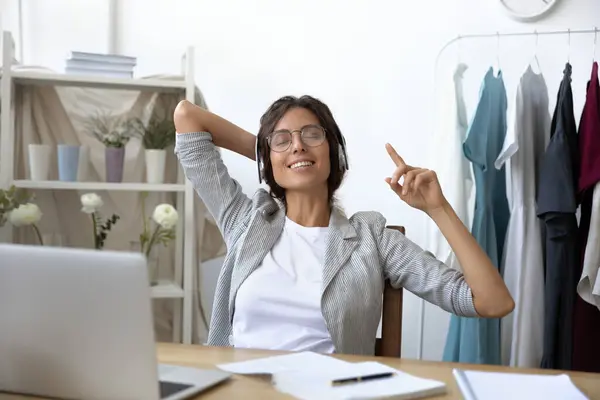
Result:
[298,274]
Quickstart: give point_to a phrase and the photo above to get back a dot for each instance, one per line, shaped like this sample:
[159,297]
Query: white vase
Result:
[155,165]
[84,163]
[152,261]
[39,161]
[5,233]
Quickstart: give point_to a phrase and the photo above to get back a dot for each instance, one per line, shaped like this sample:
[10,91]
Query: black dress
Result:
[557,205]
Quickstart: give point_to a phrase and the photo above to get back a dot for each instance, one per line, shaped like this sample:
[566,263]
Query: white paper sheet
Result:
[302,361]
[514,386]
[311,385]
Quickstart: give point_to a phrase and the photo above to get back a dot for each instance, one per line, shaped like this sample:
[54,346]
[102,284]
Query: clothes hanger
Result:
[595,42]
[498,52]
[569,48]
[535,52]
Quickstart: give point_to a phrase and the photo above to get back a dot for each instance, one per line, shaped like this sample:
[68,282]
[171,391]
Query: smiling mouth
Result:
[301,164]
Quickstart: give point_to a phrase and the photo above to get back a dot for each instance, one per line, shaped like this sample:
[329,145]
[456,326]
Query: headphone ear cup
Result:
[342,153]
[342,158]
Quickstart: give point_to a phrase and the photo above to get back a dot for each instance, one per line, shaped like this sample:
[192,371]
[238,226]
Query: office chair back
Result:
[390,343]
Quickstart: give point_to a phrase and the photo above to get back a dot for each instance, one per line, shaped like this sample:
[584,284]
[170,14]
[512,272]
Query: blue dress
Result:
[477,340]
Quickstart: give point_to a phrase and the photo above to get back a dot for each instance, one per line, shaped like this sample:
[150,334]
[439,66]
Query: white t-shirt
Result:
[278,306]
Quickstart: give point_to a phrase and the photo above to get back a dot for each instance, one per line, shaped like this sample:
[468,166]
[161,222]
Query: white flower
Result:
[91,203]
[112,137]
[25,214]
[165,215]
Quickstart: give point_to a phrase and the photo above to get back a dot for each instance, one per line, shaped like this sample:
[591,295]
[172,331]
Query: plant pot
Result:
[68,162]
[152,262]
[39,161]
[115,159]
[155,165]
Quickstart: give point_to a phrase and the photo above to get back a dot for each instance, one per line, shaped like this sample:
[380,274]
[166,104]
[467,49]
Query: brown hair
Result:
[333,134]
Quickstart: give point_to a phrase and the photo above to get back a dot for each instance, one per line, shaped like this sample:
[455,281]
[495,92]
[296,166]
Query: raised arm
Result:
[491,296]
[198,132]
[421,190]
[189,117]
[408,266]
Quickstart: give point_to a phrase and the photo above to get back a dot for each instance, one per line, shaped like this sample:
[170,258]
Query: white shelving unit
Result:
[180,289]
[88,186]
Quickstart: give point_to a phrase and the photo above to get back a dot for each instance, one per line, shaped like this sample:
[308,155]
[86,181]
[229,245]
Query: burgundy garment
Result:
[586,330]
[589,136]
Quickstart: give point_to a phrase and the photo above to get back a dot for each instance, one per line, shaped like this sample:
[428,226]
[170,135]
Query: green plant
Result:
[111,130]
[10,199]
[91,204]
[101,229]
[159,134]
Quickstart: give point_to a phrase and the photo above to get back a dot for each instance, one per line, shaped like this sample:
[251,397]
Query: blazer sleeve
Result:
[408,266]
[221,194]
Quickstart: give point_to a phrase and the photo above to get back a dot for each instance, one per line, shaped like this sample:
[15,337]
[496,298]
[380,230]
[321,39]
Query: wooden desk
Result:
[240,387]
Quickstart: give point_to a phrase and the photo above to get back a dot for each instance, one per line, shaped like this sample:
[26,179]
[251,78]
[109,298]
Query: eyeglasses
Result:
[311,135]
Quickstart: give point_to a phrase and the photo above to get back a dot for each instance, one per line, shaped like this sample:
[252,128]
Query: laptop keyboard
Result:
[170,388]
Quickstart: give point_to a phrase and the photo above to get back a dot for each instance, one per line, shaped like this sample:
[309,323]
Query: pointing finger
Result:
[394,155]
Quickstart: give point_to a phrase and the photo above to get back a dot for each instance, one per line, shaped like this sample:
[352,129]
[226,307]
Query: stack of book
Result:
[96,64]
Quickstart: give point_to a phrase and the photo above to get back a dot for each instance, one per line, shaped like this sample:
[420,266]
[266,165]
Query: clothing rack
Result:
[595,31]
[499,35]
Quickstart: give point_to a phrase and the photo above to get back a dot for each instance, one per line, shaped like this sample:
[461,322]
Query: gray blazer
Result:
[360,254]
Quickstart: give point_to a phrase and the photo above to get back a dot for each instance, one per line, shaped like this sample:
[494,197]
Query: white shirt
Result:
[526,140]
[278,307]
[589,284]
[448,161]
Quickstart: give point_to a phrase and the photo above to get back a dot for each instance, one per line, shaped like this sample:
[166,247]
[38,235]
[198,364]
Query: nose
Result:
[297,143]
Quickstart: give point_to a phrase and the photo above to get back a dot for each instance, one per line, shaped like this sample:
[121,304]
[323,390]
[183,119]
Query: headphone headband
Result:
[258,160]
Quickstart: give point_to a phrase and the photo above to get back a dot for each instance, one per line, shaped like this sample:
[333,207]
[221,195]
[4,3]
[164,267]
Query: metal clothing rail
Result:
[496,35]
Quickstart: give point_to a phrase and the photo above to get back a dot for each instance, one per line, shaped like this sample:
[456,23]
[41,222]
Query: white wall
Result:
[372,61]
[51,29]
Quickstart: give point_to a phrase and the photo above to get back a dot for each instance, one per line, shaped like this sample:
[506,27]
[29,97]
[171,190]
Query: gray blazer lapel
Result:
[340,244]
[264,230]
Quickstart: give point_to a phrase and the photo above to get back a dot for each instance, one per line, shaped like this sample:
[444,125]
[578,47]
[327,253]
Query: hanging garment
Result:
[589,283]
[449,162]
[522,262]
[477,340]
[586,330]
[557,204]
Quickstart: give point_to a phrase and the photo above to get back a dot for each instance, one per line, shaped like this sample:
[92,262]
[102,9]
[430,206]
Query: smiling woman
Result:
[299,274]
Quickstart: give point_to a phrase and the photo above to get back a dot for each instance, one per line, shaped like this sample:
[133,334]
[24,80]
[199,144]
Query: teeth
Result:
[301,164]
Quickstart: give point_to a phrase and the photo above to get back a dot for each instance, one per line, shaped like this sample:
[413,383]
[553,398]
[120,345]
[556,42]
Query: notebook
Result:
[307,385]
[308,376]
[479,385]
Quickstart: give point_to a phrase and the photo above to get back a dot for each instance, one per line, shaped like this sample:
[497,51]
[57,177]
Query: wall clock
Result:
[528,10]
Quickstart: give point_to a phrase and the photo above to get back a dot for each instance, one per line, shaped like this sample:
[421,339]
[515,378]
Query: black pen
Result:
[344,381]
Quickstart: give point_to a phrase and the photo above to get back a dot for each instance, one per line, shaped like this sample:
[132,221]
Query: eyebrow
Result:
[289,130]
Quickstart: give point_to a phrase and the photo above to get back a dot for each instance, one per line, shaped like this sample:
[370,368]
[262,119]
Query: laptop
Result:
[78,324]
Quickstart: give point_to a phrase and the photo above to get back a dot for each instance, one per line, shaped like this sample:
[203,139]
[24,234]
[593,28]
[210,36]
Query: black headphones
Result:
[341,151]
